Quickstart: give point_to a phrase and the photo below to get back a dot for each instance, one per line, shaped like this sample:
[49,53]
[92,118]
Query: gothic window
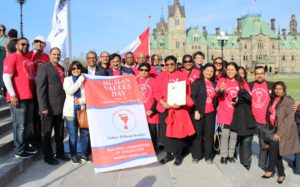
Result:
[245,46]
[232,44]
[260,57]
[196,38]
[273,46]
[283,57]
[161,43]
[212,57]
[293,57]
[176,21]
[232,58]
[282,44]
[177,44]
[213,44]
[260,44]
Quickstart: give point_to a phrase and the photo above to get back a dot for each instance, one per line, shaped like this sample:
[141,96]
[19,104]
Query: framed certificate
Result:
[177,93]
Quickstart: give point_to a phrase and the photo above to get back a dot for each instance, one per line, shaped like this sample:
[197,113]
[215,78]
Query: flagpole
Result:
[149,17]
[69,32]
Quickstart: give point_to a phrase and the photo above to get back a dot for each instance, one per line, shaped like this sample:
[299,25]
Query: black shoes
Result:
[51,161]
[231,159]
[223,160]
[24,154]
[280,179]
[75,159]
[178,161]
[63,157]
[267,176]
[87,159]
[168,158]
[31,150]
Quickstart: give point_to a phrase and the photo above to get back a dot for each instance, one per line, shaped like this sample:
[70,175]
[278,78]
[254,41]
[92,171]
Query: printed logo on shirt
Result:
[230,93]
[28,68]
[145,91]
[124,120]
[210,94]
[259,97]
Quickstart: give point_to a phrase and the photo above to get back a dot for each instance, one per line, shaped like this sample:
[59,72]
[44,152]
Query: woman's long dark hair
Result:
[245,72]
[237,77]
[77,64]
[282,84]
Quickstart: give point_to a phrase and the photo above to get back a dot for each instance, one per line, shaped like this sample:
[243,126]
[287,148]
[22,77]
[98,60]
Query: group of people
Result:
[218,98]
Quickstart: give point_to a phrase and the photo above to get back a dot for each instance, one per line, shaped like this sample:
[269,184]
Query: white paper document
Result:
[177,93]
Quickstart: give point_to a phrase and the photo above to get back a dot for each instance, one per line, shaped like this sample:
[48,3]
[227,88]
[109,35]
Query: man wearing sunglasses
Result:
[16,76]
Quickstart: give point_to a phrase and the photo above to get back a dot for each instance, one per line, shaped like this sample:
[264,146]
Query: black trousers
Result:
[263,152]
[48,123]
[153,133]
[171,145]
[245,153]
[203,140]
[275,159]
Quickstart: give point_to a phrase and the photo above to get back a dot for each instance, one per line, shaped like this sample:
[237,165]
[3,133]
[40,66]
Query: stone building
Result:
[253,42]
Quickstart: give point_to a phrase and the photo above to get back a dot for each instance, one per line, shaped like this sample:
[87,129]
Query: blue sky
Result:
[111,25]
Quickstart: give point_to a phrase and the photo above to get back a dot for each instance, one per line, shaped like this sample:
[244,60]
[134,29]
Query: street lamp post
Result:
[21,3]
[222,39]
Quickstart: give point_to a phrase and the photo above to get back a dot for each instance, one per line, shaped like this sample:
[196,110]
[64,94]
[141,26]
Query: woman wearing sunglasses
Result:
[146,84]
[189,68]
[175,123]
[75,100]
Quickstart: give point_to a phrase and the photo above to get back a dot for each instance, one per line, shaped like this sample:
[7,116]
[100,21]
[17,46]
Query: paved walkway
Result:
[187,175]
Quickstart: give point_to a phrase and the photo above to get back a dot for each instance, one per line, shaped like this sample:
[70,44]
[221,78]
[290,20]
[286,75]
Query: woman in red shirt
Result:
[227,90]
[175,122]
[282,136]
[203,94]
[146,84]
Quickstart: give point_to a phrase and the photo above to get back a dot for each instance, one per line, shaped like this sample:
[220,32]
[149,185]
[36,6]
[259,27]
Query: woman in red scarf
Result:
[175,122]
[146,85]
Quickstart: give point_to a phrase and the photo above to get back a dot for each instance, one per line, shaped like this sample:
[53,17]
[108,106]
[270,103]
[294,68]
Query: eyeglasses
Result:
[172,64]
[75,69]
[187,61]
[162,65]
[24,44]
[146,70]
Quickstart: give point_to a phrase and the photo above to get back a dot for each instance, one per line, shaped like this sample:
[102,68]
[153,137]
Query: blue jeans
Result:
[22,120]
[72,126]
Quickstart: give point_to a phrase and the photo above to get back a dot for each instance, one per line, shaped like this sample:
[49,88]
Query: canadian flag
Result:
[139,45]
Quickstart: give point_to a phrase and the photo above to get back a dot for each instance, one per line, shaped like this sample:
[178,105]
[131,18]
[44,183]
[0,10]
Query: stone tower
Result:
[176,28]
[293,25]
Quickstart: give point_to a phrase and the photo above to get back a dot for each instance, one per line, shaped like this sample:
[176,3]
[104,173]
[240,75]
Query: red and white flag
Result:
[139,45]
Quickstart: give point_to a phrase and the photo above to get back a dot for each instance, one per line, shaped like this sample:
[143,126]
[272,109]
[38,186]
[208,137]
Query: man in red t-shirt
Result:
[260,91]
[17,78]
[38,57]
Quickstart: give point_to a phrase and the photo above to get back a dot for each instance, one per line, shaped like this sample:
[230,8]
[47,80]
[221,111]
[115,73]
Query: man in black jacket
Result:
[116,68]
[92,69]
[51,97]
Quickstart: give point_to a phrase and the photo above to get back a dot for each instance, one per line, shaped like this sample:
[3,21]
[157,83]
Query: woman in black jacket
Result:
[203,95]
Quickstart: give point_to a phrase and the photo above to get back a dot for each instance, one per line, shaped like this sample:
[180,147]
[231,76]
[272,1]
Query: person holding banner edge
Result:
[146,84]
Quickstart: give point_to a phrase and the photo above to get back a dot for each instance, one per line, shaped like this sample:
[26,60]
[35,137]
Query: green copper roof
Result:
[191,33]
[290,42]
[254,25]
[155,42]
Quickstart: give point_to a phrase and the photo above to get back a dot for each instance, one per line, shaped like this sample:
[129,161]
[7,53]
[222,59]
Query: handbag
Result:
[82,119]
